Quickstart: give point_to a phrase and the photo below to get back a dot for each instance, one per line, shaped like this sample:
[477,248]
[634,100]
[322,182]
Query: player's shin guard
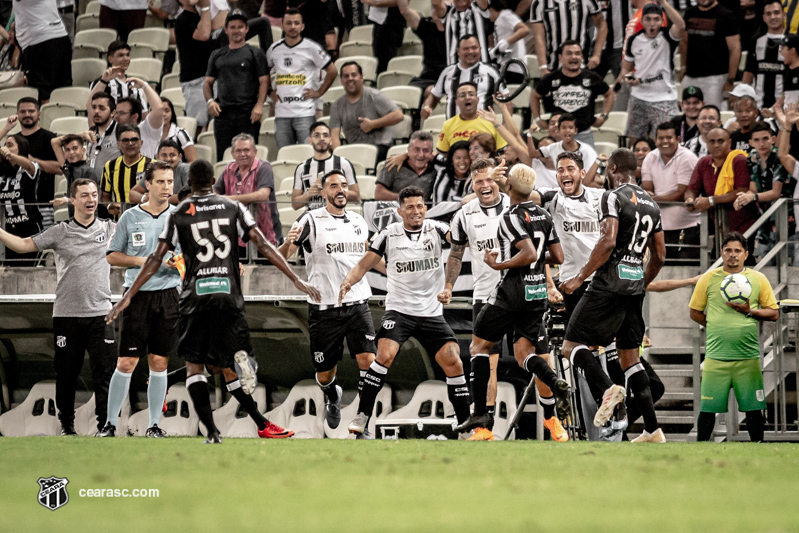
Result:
[117,392]
[247,403]
[755,425]
[481,371]
[156,391]
[597,380]
[198,390]
[372,383]
[541,370]
[458,393]
[638,382]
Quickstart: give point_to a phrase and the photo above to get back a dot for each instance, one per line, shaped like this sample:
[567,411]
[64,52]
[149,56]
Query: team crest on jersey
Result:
[99,236]
[53,492]
[61,341]
[319,357]
[586,82]
[555,84]
[287,61]
[428,245]
[389,324]
[358,230]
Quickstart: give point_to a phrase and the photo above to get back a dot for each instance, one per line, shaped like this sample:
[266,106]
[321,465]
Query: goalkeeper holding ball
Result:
[732,351]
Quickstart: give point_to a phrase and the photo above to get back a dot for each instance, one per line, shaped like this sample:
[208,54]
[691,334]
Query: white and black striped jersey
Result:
[208,228]
[639,219]
[483,75]
[576,220]
[564,20]
[414,267]
[523,287]
[697,146]
[180,136]
[764,61]
[333,245]
[470,21]
[617,15]
[312,169]
[448,188]
[124,89]
[476,225]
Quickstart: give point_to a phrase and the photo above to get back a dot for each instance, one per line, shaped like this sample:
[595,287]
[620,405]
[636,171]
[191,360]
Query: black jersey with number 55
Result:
[639,219]
[207,229]
[524,287]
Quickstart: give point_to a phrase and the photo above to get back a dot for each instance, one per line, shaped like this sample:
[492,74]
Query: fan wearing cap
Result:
[790,76]
[649,53]
[686,124]
[764,62]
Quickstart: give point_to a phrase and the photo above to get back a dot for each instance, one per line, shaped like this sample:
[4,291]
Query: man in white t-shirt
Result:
[123,16]
[650,52]
[509,34]
[299,67]
[567,126]
[46,49]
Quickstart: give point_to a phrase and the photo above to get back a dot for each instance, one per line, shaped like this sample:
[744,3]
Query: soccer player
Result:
[415,271]
[150,324]
[334,240]
[733,351]
[520,301]
[475,226]
[611,306]
[213,328]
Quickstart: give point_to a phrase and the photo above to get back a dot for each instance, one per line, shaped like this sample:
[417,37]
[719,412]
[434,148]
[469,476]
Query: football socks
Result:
[548,404]
[481,371]
[247,403]
[372,383]
[597,380]
[156,391]
[117,391]
[458,393]
[198,390]
[639,386]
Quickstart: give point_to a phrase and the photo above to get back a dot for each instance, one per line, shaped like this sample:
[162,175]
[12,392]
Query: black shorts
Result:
[602,316]
[497,347]
[48,65]
[150,324]
[330,327]
[213,337]
[493,321]
[571,300]
[432,332]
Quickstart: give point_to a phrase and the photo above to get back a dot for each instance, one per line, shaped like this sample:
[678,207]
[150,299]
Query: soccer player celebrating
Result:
[334,240]
[611,306]
[213,328]
[415,271]
[475,226]
[520,300]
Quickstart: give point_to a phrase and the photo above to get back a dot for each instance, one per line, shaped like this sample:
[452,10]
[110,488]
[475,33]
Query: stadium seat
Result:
[505,409]
[34,417]
[393,79]
[434,122]
[354,49]
[277,33]
[87,21]
[93,43]
[412,64]
[617,120]
[379,168]
[303,411]
[207,138]
[148,69]
[52,111]
[367,185]
[288,216]
[365,154]
[286,184]
[86,419]
[85,71]
[423,7]
[407,97]
[533,69]
[522,101]
[180,419]
[605,148]
[219,167]
[411,44]
[65,125]
[234,422]
[429,400]
[170,81]
[266,137]
[727,115]
[73,96]
[189,124]
[332,94]
[61,214]
[61,187]
[361,33]
[397,149]
[204,152]
[153,41]
[282,169]
[93,8]
[367,63]
[295,152]
[401,132]
[9,97]
[382,408]
[607,135]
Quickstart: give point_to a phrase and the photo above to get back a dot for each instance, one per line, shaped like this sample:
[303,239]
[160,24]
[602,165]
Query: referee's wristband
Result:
[208,102]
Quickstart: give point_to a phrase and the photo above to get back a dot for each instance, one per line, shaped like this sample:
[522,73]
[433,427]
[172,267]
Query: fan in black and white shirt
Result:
[556,21]
[464,17]
[120,86]
[764,63]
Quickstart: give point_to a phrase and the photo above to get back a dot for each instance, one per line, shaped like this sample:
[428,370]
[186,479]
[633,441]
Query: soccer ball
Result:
[735,288]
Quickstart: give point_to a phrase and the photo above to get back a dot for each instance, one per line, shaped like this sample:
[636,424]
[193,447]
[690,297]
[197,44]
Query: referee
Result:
[82,298]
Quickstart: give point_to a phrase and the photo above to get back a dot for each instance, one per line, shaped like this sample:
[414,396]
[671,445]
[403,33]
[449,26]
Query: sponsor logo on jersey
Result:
[418,265]
[290,79]
[631,273]
[535,292]
[211,271]
[191,210]
[212,286]
[345,247]
[580,226]
[212,207]
[486,244]
[760,395]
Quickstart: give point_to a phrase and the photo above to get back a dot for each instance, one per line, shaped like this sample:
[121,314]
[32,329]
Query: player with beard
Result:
[412,249]
[475,226]
[520,300]
[100,108]
[611,306]
[334,240]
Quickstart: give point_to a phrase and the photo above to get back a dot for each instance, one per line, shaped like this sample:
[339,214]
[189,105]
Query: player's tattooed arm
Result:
[452,271]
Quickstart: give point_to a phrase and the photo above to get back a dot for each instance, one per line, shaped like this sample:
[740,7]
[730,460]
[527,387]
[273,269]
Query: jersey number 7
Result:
[209,247]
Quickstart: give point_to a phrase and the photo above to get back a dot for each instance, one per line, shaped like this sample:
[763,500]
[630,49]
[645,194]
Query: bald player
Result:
[527,241]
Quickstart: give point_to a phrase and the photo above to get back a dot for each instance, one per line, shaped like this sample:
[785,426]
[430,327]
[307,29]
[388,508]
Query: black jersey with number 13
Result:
[639,219]
[207,229]
[524,287]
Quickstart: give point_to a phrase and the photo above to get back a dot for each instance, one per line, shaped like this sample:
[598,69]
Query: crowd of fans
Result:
[673,67]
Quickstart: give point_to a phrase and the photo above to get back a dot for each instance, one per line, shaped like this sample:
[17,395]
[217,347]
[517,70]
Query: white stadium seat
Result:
[303,411]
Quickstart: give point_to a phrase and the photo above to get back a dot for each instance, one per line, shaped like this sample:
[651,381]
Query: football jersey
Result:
[654,65]
[576,220]
[414,267]
[294,69]
[207,229]
[639,218]
[485,76]
[523,287]
[765,62]
[333,245]
[477,225]
[308,172]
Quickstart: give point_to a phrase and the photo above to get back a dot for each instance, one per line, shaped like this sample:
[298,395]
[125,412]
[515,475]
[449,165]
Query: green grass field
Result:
[329,485]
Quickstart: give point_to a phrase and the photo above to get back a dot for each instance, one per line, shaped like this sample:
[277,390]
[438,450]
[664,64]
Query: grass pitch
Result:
[384,486]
